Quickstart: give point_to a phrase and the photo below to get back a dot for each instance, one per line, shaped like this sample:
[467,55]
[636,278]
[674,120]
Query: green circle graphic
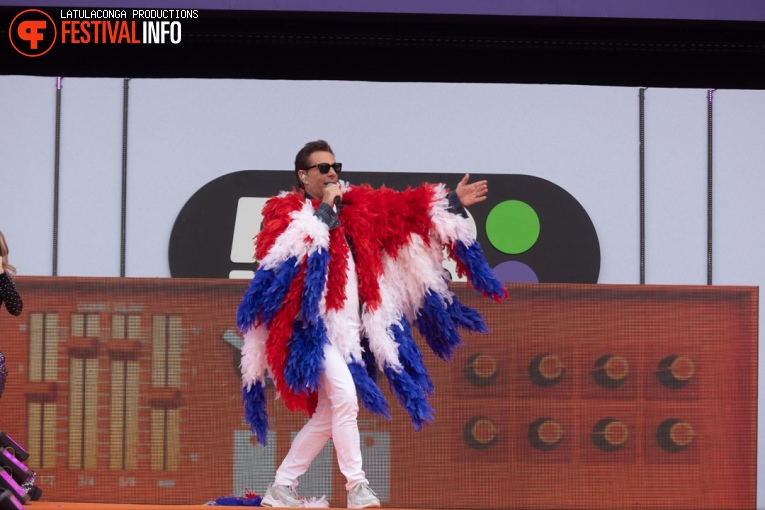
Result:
[512,226]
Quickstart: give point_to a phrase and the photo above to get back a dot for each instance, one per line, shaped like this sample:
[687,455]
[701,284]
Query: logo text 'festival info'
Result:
[34,32]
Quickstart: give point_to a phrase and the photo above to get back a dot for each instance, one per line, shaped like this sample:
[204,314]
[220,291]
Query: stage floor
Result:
[46,505]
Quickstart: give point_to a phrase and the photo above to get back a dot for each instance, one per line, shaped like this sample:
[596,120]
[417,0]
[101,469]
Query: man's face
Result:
[314,180]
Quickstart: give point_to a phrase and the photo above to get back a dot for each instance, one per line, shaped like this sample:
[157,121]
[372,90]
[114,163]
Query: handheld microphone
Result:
[338,200]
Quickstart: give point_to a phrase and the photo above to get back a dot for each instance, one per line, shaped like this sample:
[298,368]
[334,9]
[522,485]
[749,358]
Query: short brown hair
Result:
[301,159]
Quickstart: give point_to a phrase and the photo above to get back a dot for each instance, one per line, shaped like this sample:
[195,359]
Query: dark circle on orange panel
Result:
[480,433]
[682,434]
[610,371]
[675,371]
[481,369]
[675,435]
[610,434]
[682,368]
[545,434]
[546,369]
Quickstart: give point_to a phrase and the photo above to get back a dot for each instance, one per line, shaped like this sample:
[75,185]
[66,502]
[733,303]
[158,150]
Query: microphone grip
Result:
[338,201]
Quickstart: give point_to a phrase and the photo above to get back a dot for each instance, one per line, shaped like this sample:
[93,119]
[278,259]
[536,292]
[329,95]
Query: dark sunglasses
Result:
[324,167]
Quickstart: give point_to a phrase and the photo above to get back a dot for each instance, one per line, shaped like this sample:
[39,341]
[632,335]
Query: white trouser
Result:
[335,418]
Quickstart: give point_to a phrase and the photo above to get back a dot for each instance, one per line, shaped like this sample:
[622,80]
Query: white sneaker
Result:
[362,496]
[281,496]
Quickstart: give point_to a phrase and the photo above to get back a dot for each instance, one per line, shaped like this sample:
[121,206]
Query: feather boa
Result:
[298,300]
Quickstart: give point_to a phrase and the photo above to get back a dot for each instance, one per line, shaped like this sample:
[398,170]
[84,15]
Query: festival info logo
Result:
[530,229]
[32,33]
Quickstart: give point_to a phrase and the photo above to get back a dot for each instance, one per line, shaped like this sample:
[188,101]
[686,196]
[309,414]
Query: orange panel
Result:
[582,396]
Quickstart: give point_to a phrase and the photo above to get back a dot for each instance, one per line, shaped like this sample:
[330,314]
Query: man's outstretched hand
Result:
[470,194]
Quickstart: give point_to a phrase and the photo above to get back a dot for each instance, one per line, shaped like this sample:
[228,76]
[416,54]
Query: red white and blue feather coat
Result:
[294,304]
